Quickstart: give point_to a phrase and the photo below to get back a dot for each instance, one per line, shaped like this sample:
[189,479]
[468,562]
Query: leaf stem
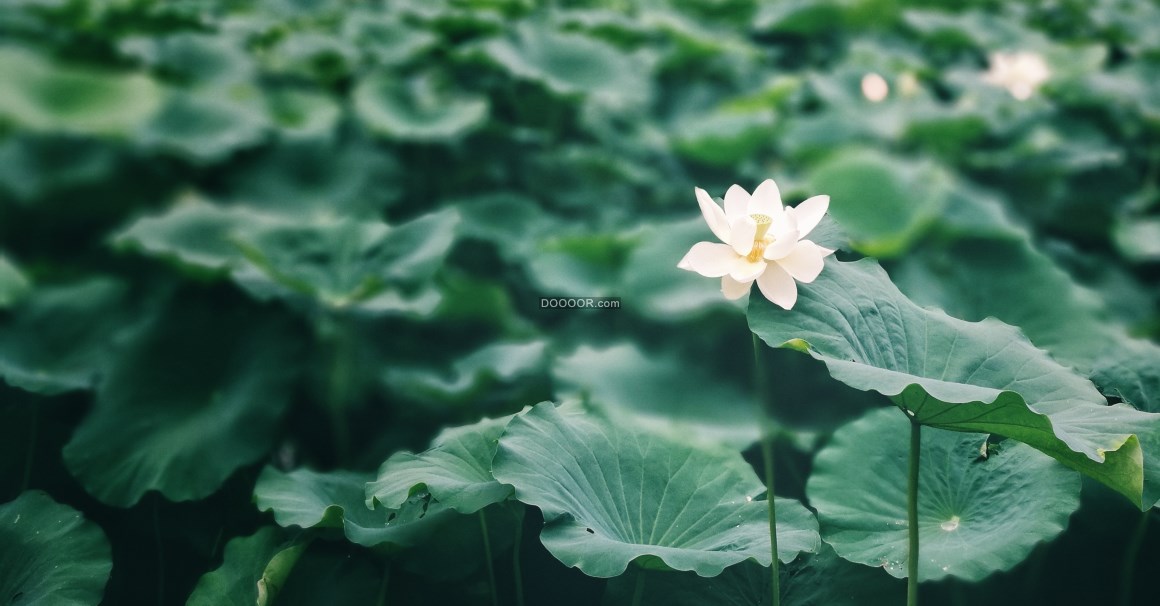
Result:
[382,597]
[912,514]
[336,334]
[767,438]
[487,557]
[27,480]
[1128,572]
[517,572]
[638,592]
[160,550]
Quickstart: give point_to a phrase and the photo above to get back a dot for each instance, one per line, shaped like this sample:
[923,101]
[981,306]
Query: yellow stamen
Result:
[763,223]
[759,243]
[758,250]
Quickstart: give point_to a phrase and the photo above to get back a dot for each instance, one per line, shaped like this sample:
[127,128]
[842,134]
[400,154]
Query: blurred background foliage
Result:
[306,235]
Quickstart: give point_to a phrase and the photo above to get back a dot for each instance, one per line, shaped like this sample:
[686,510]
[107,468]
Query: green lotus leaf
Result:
[819,579]
[35,167]
[1138,239]
[193,233]
[473,375]
[586,265]
[58,338]
[332,573]
[569,64]
[456,470]
[424,527]
[309,55]
[42,95]
[307,178]
[963,376]
[253,571]
[204,126]
[970,276]
[672,294]
[194,418]
[192,58]
[387,38]
[503,219]
[300,113]
[13,283]
[612,495]
[863,515]
[311,499]
[346,263]
[882,202]
[50,554]
[417,109]
[661,392]
[724,137]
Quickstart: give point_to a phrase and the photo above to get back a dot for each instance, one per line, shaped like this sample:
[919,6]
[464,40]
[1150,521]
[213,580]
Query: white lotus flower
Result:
[874,87]
[761,242]
[1020,73]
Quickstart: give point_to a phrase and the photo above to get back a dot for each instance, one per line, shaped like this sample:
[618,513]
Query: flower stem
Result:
[517,572]
[382,597]
[339,379]
[28,458]
[487,557]
[767,438]
[638,593]
[912,514]
[1128,572]
[160,546]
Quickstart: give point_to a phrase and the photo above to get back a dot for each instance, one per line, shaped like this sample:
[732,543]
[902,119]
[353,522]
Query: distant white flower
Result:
[761,242]
[1020,73]
[874,87]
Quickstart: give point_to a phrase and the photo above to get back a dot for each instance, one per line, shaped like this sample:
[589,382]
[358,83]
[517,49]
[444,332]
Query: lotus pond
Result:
[516,302]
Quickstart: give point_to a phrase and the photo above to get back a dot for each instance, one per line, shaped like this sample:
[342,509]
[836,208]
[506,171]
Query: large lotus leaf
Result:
[724,137]
[456,470]
[612,494]
[253,571]
[306,178]
[385,37]
[300,113]
[207,125]
[311,499]
[417,109]
[311,55]
[49,554]
[427,529]
[660,391]
[585,265]
[500,363]
[344,263]
[882,202]
[34,167]
[332,573]
[505,219]
[963,376]
[859,487]
[193,233]
[1138,238]
[675,295]
[570,64]
[819,579]
[192,58]
[13,284]
[58,338]
[195,396]
[970,279]
[41,95]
